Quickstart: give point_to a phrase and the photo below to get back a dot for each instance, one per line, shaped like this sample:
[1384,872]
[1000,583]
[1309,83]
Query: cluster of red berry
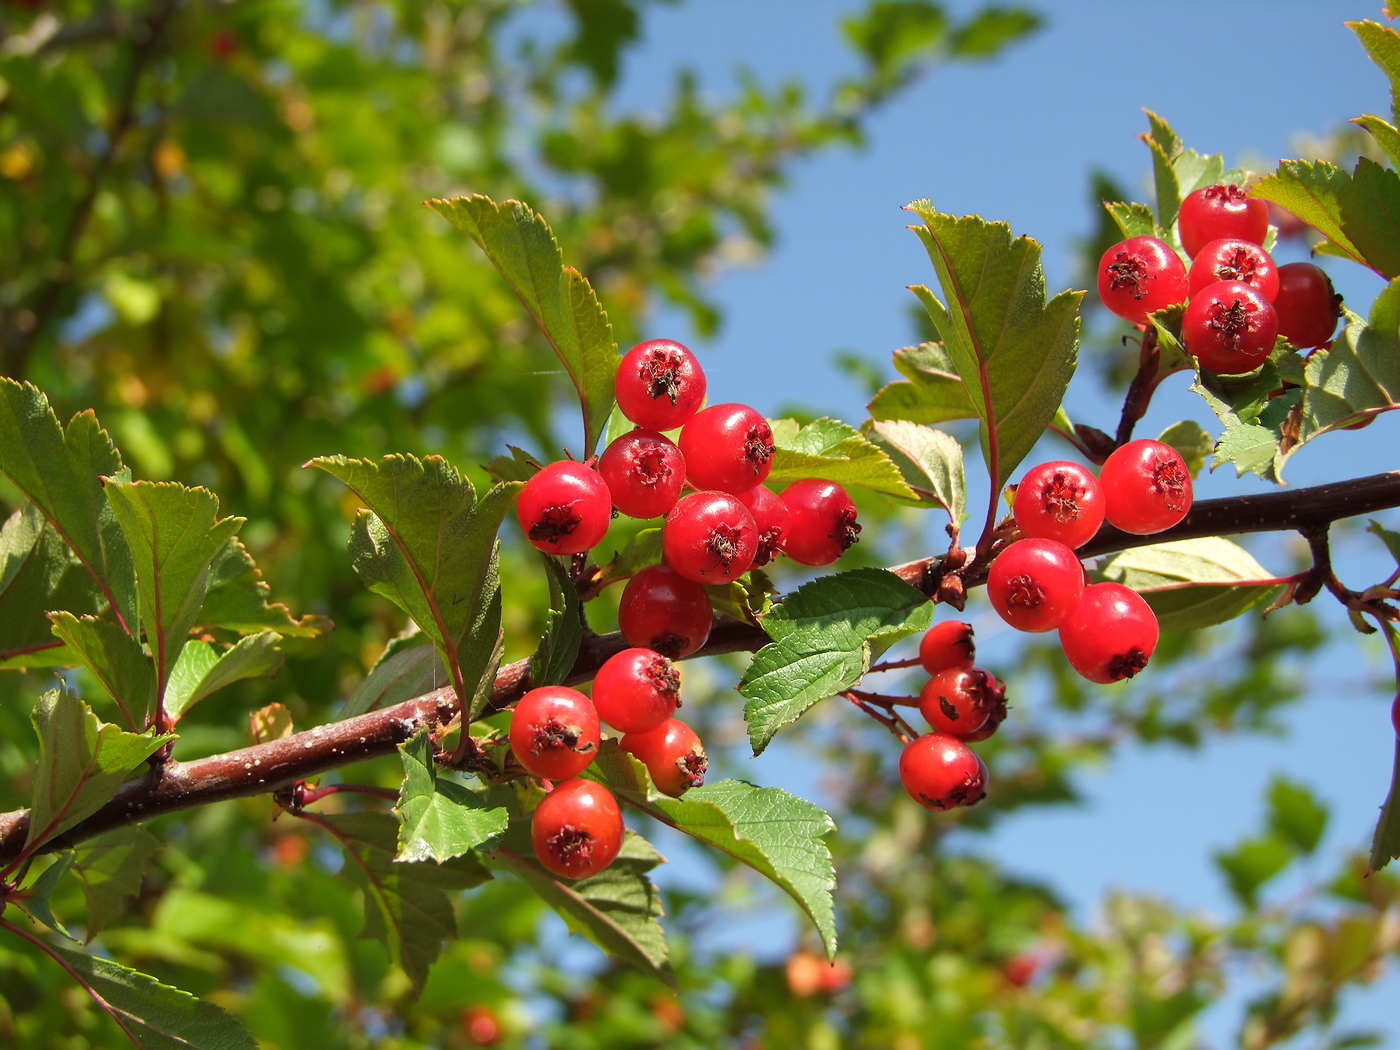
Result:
[729,523]
[1238,301]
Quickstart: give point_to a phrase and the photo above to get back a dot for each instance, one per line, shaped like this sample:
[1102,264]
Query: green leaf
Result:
[82,762]
[1135,220]
[518,466]
[1385,844]
[110,869]
[554,658]
[617,909]
[1194,583]
[1295,814]
[62,471]
[1371,216]
[237,599]
[521,246]
[430,547]
[156,1016]
[1382,44]
[204,667]
[37,893]
[440,819]
[1191,440]
[1176,171]
[745,599]
[174,533]
[409,666]
[1013,350]
[934,392]
[1254,424]
[1385,134]
[829,449]
[1251,864]
[641,550]
[38,574]
[929,460]
[115,659]
[406,905]
[1318,193]
[777,834]
[1389,538]
[825,636]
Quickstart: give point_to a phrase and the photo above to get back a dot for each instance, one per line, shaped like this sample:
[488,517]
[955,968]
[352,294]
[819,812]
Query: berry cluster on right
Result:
[1238,301]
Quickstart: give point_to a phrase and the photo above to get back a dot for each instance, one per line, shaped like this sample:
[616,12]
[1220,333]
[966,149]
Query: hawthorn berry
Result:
[1231,259]
[1229,327]
[554,732]
[822,521]
[727,447]
[948,643]
[659,385]
[644,472]
[1146,487]
[960,700]
[565,508]
[770,517]
[941,772]
[1111,634]
[1059,500]
[1034,584]
[636,690]
[673,755]
[709,537]
[662,610]
[577,829]
[1223,210]
[1140,276]
[1308,307]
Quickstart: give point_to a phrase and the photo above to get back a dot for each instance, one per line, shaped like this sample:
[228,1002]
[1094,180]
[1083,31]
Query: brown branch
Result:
[266,768]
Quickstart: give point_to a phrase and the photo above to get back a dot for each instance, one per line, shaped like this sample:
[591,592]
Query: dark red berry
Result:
[554,732]
[1060,500]
[960,700]
[822,521]
[577,829]
[1307,305]
[636,690]
[1146,487]
[565,508]
[941,772]
[673,755]
[948,643]
[1222,210]
[770,517]
[1229,327]
[727,447]
[644,473]
[662,610]
[1231,259]
[1140,276]
[1111,634]
[709,537]
[1034,584]
[659,385]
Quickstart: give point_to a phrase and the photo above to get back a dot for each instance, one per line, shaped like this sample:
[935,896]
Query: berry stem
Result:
[894,665]
[867,703]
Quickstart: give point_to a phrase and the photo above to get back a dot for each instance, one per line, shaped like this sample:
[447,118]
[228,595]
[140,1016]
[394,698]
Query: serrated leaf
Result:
[174,533]
[1171,354]
[1295,814]
[521,246]
[1190,439]
[61,471]
[744,599]
[430,547]
[1013,350]
[1385,843]
[1176,171]
[1382,44]
[1253,424]
[825,636]
[406,905]
[409,666]
[237,599]
[934,392]
[1316,192]
[554,657]
[1194,583]
[618,909]
[1135,220]
[440,819]
[777,834]
[834,451]
[205,667]
[156,1016]
[929,460]
[38,574]
[111,869]
[82,762]
[518,466]
[114,658]
[37,893]
[1385,134]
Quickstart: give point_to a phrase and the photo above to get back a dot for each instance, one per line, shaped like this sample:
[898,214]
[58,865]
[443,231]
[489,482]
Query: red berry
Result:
[565,508]
[946,644]
[636,690]
[940,772]
[673,755]
[1140,276]
[960,700]
[644,473]
[1307,305]
[1146,487]
[1231,259]
[554,732]
[709,537]
[1229,327]
[822,521]
[659,385]
[1061,501]
[1213,212]
[662,610]
[1111,635]
[481,1026]
[727,447]
[1034,584]
[771,517]
[577,829]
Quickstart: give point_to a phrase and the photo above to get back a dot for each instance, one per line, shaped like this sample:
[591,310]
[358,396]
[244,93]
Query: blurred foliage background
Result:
[212,233]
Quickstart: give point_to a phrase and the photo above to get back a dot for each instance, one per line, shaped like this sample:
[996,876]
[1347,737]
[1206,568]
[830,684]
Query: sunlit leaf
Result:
[440,818]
